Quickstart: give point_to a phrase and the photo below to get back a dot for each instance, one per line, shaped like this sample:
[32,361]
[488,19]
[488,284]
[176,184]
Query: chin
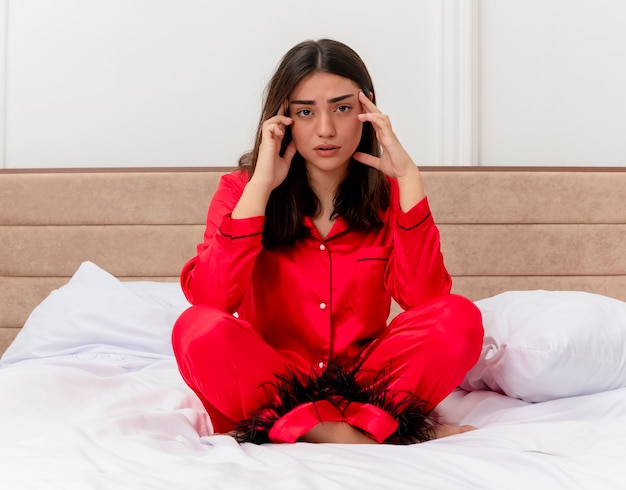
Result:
[328,164]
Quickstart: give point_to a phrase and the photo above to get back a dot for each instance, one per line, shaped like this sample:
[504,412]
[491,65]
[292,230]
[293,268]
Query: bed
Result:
[90,396]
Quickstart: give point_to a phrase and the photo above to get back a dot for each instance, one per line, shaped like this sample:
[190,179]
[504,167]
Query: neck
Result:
[325,184]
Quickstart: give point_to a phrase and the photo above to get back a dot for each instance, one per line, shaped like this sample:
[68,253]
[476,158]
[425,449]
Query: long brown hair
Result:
[363,192]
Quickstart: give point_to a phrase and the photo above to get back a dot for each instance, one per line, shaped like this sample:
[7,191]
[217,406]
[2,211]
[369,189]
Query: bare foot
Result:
[445,430]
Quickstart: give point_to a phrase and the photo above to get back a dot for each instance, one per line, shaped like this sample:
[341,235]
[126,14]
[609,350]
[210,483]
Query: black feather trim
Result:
[340,387]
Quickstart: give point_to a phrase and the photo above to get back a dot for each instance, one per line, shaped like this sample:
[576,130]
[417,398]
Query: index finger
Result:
[367,103]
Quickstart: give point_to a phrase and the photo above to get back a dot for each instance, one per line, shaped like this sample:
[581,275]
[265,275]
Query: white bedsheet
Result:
[111,422]
[90,398]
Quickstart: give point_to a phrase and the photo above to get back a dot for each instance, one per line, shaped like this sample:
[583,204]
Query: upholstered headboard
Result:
[502,228]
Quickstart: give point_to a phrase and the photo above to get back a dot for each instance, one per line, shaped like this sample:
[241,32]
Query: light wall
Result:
[552,82]
[93,83]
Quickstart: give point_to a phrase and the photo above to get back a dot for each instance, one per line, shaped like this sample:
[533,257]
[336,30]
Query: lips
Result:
[326,150]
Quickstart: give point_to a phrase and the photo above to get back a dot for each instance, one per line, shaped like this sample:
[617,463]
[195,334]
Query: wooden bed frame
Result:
[502,228]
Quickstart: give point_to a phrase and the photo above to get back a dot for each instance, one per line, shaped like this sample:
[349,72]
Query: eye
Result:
[304,112]
[343,108]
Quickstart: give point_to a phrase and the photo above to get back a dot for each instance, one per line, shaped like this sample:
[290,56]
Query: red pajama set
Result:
[258,314]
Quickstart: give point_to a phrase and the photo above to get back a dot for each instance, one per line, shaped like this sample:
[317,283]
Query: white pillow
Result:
[96,313]
[543,345]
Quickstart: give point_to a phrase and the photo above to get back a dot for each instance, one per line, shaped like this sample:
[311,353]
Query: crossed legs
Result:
[425,351]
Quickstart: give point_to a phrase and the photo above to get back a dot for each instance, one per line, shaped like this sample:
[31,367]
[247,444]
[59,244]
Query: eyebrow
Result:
[330,101]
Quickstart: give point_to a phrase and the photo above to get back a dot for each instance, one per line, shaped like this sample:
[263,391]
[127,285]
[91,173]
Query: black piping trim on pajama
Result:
[362,259]
[240,236]
[330,307]
[415,226]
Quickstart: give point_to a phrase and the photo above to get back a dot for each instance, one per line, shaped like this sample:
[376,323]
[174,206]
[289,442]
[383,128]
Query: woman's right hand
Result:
[272,168]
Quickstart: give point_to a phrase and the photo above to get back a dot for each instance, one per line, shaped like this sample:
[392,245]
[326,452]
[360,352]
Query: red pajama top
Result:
[319,298]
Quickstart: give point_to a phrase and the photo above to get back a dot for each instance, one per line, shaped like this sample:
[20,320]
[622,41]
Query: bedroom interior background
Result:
[149,84]
[112,110]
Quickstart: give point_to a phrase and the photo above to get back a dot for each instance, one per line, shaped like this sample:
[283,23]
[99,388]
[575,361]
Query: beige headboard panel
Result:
[502,228]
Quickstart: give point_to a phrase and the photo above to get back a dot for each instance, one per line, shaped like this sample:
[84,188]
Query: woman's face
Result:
[325,129]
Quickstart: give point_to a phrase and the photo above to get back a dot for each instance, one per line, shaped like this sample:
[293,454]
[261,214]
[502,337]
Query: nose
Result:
[325,125]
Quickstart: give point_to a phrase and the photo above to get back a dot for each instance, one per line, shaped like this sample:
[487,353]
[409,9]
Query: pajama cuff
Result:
[241,228]
[414,217]
[373,421]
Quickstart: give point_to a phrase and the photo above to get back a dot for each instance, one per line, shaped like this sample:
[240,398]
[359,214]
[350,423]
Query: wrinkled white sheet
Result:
[90,398]
[115,422]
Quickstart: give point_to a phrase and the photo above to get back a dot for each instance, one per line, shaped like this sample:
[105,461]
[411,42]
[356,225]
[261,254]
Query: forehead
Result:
[322,86]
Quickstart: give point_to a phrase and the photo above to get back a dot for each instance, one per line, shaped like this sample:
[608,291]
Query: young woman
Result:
[305,245]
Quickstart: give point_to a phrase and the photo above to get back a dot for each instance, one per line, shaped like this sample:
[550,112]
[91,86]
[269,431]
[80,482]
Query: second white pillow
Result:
[542,345]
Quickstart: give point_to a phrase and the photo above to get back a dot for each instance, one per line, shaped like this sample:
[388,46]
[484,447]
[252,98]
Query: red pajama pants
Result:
[426,351]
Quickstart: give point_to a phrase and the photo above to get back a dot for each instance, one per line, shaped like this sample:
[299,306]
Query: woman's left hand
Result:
[394,161]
